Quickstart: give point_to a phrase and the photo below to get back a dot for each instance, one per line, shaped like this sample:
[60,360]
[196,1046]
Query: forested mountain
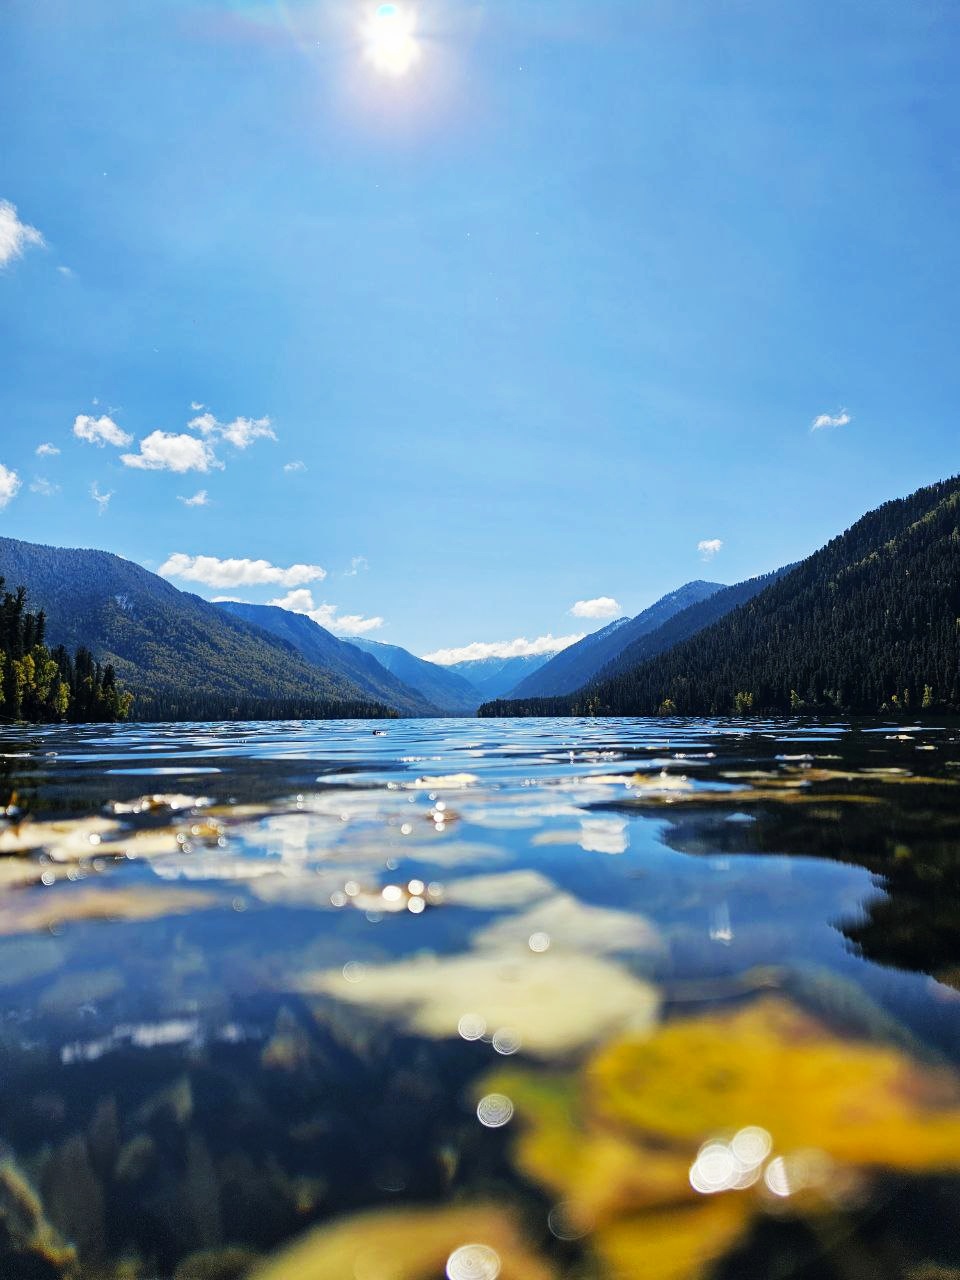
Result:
[869,623]
[439,685]
[495,677]
[572,668]
[338,657]
[184,657]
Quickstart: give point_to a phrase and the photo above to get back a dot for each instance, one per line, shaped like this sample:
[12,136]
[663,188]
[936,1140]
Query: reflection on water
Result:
[467,999]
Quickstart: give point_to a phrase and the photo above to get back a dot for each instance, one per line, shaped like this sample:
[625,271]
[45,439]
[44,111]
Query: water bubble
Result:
[416,887]
[353,971]
[338,898]
[471,1026]
[405,828]
[775,1178]
[539,941]
[494,1110]
[565,1223]
[391,893]
[716,1168]
[506,1041]
[416,905]
[751,1145]
[473,1262]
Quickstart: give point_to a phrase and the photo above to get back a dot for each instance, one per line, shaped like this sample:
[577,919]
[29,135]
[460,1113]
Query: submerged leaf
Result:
[411,1244]
[791,1110]
[770,1065]
[34,910]
[553,1003]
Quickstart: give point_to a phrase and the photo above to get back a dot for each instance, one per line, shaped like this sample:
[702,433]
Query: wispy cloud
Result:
[99,431]
[9,485]
[46,451]
[101,499]
[600,607]
[359,564]
[709,547]
[327,615]
[290,467]
[241,432]
[823,420]
[213,572]
[46,488]
[519,648]
[199,499]
[15,236]
[169,451]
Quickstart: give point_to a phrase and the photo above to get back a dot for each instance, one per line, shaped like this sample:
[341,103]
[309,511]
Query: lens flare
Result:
[390,41]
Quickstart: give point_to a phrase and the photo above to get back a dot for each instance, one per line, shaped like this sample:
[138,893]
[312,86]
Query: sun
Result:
[389,37]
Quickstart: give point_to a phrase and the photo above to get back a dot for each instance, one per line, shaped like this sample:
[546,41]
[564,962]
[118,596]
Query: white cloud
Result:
[199,499]
[101,499]
[241,432]
[47,451]
[831,420]
[708,547]
[15,236]
[9,485]
[99,431]
[348,624]
[46,488]
[196,406]
[357,565]
[167,451]
[237,573]
[519,648]
[601,607]
[294,466]
[65,271]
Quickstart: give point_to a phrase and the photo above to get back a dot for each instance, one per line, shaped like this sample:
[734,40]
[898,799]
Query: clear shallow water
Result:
[529,998]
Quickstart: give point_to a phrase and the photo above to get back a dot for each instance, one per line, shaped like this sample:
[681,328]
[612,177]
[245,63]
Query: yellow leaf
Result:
[411,1244]
[770,1065]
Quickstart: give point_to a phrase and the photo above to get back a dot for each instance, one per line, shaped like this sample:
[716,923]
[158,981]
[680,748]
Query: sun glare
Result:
[390,41]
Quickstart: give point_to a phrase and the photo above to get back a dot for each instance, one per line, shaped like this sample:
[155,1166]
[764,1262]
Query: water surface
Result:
[578,998]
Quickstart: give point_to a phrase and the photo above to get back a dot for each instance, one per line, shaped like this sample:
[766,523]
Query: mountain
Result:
[441,686]
[869,623]
[572,668]
[341,657]
[181,656]
[495,677]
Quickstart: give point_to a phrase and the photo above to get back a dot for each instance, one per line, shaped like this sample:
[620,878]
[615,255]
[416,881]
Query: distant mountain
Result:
[181,656]
[494,677]
[572,668]
[341,657]
[441,686]
[867,624]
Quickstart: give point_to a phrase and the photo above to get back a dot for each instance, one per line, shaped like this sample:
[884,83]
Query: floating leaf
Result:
[411,1244]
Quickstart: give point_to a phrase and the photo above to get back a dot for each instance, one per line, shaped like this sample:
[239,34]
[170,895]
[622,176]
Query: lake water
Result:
[581,999]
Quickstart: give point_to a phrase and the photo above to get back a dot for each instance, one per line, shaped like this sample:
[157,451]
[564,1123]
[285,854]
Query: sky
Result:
[473,324]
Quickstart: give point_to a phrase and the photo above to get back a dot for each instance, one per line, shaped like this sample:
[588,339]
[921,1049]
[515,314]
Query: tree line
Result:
[40,684]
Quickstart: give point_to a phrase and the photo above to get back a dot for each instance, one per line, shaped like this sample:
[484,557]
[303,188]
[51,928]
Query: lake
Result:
[406,1000]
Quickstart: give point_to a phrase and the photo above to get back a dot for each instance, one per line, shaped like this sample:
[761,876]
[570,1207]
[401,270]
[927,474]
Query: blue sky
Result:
[538,317]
